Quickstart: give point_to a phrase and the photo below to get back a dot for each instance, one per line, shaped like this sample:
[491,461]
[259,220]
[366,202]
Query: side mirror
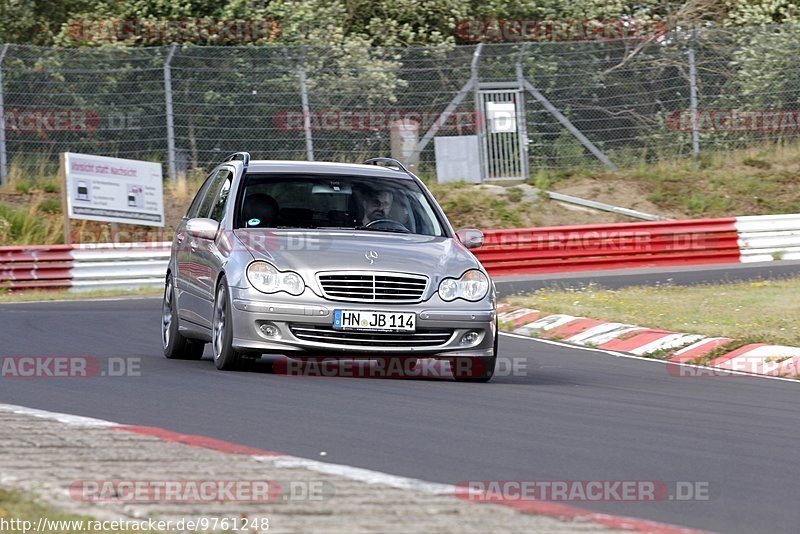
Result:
[202,228]
[470,237]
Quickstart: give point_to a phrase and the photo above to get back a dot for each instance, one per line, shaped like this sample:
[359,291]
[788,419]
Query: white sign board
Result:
[114,190]
[501,117]
[457,159]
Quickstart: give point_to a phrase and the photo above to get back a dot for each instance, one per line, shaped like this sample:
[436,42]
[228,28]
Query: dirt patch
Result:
[620,192]
[520,206]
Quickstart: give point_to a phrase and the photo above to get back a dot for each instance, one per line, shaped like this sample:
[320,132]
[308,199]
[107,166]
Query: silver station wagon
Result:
[318,260]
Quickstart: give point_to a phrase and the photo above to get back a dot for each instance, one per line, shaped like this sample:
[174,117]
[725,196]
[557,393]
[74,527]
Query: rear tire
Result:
[175,345]
[225,357]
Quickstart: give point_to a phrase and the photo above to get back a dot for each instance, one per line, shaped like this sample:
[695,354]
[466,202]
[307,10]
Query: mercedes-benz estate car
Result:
[326,260]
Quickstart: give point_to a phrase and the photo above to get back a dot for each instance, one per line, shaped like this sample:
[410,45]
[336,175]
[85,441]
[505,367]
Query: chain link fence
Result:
[615,103]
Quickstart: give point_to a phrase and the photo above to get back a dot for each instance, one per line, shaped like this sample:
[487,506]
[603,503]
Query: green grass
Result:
[759,180]
[39,295]
[761,311]
[14,505]
[17,506]
[756,181]
[468,207]
[50,205]
[28,225]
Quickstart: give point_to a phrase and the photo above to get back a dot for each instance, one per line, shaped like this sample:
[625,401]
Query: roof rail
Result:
[243,156]
[390,161]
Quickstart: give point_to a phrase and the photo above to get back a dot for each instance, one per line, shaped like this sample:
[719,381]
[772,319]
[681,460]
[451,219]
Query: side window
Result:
[218,209]
[194,208]
[211,194]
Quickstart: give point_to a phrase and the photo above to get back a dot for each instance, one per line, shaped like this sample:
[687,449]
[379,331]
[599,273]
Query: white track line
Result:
[95,299]
[357,474]
[360,475]
[345,471]
[67,419]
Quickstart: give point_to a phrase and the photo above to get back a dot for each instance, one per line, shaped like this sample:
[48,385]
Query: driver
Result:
[375,205]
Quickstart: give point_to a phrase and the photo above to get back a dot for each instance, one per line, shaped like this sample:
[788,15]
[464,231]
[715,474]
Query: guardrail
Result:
[769,237]
[610,246]
[84,267]
[513,251]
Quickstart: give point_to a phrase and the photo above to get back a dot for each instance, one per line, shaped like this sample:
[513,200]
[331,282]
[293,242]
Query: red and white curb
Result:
[755,358]
[559,511]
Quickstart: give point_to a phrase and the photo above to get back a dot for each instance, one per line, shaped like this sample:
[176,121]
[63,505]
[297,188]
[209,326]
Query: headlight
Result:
[267,279]
[473,285]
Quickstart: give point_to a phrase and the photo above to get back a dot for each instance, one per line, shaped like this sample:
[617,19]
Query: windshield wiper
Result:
[372,229]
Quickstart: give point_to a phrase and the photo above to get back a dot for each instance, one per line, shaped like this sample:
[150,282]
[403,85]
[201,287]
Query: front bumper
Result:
[440,327]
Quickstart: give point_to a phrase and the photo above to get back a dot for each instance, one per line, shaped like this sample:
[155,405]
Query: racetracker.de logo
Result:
[582,490]
[199,491]
[42,120]
[68,367]
[204,30]
[778,365]
[734,120]
[393,367]
[557,30]
[377,120]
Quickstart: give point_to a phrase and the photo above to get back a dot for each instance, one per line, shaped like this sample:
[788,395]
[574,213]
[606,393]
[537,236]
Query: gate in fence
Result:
[503,141]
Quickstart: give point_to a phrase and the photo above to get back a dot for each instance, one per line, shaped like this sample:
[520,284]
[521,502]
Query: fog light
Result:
[470,338]
[269,330]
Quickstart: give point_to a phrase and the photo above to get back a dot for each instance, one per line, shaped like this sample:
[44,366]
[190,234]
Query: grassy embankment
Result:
[762,311]
[754,181]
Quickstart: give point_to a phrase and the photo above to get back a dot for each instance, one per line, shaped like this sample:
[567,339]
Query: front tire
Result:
[175,345]
[225,357]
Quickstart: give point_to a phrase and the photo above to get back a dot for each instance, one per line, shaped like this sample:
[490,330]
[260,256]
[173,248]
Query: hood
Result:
[309,252]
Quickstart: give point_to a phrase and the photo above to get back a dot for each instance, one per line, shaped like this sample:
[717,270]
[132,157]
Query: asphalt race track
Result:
[574,414]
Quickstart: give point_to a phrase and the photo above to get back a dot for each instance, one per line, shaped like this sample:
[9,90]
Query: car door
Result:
[188,270]
[205,252]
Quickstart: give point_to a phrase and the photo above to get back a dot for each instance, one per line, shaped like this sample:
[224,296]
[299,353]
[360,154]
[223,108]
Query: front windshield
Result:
[336,202]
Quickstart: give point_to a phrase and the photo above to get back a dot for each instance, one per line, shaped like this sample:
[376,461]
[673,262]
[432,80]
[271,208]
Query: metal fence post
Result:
[693,96]
[472,83]
[173,175]
[522,119]
[480,116]
[3,154]
[306,111]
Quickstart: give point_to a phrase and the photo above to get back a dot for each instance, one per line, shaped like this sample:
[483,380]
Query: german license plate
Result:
[370,320]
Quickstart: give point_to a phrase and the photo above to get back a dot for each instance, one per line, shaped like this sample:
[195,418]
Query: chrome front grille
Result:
[329,335]
[361,286]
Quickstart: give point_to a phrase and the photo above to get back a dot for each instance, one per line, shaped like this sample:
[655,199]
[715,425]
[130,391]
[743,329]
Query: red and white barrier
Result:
[769,237]
[645,244]
[84,267]
[513,251]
